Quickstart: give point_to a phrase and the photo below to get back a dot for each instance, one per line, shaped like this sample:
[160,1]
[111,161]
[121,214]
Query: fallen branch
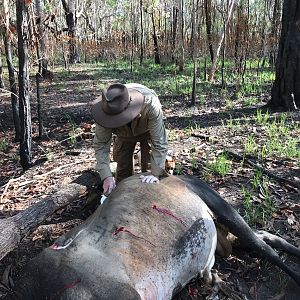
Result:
[263,170]
[14,229]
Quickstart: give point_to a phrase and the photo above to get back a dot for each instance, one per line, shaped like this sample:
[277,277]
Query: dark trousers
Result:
[123,149]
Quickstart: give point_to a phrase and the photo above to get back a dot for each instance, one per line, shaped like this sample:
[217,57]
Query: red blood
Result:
[122,229]
[169,213]
[66,287]
[193,292]
[54,246]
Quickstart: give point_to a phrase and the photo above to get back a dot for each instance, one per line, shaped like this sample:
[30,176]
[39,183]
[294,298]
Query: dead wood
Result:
[262,169]
[14,229]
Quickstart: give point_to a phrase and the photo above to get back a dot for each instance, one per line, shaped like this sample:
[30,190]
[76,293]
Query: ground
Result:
[202,140]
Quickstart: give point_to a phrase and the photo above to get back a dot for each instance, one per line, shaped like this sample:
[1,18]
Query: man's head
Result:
[117,106]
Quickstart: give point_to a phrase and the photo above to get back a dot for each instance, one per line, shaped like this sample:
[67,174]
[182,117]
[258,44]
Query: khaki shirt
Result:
[150,120]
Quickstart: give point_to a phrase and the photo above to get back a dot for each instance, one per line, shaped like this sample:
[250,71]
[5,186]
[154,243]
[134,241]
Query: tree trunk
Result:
[24,97]
[11,72]
[142,33]
[275,27]
[174,30]
[43,61]
[14,229]
[214,64]
[208,22]
[286,87]
[194,55]
[155,41]
[69,8]
[180,51]
[1,73]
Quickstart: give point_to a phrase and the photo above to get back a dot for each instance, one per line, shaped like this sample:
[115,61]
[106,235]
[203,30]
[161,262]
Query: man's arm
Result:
[159,138]
[102,142]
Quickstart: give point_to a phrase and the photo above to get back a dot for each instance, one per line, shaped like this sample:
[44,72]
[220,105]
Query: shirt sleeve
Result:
[102,142]
[158,135]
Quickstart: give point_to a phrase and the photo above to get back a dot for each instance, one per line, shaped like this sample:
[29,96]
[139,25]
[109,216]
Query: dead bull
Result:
[145,242]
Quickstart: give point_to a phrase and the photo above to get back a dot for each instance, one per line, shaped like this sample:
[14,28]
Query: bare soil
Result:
[66,150]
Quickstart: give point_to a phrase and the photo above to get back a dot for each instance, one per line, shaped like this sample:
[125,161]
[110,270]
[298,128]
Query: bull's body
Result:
[145,242]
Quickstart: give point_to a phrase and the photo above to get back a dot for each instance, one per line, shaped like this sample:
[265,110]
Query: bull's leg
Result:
[207,277]
[278,242]
[229,217]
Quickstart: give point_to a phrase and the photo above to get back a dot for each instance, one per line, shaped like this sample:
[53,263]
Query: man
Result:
[133,113]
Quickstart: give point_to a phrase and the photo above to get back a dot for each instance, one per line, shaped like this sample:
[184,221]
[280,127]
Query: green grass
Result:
[258,211]
[4,145]
[221,165]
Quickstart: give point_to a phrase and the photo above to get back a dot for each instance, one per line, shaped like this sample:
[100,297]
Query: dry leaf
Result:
[291,219]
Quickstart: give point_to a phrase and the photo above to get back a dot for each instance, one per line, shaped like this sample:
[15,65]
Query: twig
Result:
[38,177]
[6,188]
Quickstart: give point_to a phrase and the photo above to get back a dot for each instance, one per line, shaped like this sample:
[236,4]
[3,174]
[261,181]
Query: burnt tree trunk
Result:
[11,72]
[174,31]
[1,73]
[69,8]
[43,61]
[24,97]
[14,229]
[208,22]
[155,42]
[142,33]
[286,87]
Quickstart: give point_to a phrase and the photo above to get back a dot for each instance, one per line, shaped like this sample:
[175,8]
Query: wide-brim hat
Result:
[117,106]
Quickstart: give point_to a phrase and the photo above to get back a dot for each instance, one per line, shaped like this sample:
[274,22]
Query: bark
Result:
[155,42]
[274,27]
[1,73]
[24,97]
[193,50]
[14,229]
[142,33]
[11,72]
[174,29]
[180,51]
[207,5]
[39,106]
[286,87]
[69,8]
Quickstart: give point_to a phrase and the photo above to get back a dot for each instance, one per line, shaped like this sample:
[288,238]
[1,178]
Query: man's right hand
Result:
[108,185]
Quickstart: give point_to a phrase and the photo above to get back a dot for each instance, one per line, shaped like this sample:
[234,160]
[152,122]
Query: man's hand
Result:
[149,178]
[108,185]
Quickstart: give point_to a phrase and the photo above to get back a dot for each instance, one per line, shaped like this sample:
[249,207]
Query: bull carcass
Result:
[147,241]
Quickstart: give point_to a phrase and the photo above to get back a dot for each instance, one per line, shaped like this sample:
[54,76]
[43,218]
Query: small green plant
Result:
[221,165]
[194,163]
[75,130]
[250,145]
[229,123]
[249,101]
[49,155]
[3,145]
[257,178]
[178,168]
[262,118]
[258,213]
[229,104]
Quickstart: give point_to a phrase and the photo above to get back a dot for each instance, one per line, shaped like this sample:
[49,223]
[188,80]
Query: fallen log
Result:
[263,170]
[15,228]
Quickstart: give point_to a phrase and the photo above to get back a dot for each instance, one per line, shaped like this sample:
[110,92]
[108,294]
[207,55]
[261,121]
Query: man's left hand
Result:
[149,178]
